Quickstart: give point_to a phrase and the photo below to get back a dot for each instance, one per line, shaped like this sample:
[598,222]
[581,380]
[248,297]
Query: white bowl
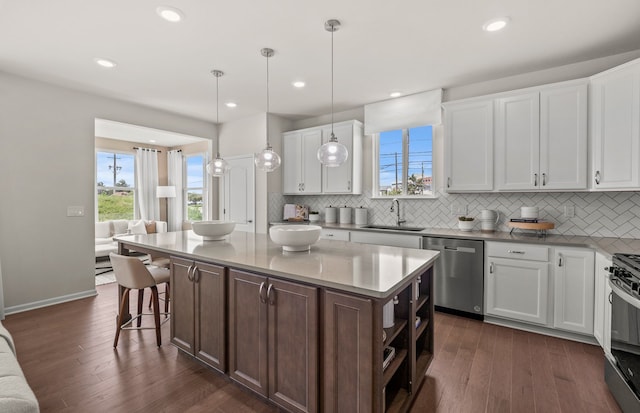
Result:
[295,237]
[529,212]
[466,225]
[213,230]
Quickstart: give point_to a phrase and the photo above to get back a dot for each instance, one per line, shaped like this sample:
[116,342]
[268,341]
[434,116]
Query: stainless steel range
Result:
[623,373]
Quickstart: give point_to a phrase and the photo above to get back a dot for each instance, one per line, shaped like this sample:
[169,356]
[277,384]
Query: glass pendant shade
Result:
[333,153]
[267,160]
[218,167]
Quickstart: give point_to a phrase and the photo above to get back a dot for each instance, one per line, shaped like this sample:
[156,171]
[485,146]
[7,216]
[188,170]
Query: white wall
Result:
[47,162]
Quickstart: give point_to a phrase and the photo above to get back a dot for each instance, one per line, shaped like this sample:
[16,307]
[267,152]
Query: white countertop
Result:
[370,270]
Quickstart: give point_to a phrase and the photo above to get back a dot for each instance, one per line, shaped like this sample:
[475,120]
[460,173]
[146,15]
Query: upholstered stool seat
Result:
[132,274]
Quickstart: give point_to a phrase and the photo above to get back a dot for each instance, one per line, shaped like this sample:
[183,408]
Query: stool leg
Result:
[140,301]
[167,288]
[120,317]
[156,313]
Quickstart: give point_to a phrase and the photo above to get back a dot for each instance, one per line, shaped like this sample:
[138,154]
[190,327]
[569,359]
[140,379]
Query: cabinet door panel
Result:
[517,289]
[211,299]
[311,167]
[469,146]
[574,290]
[293,345]
[563,138]
[182,306]
[615,114]
[517,142]
[291,163]
[247,331]
[348,354]
[339,179]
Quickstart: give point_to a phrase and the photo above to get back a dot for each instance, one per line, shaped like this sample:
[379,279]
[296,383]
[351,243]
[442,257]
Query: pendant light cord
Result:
[267,114]
[332,31]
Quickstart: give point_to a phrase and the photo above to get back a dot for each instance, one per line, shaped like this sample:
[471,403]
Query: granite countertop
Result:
[603,245]
[370,270]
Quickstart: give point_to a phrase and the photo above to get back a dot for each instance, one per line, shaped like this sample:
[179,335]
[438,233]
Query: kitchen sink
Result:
[394,228]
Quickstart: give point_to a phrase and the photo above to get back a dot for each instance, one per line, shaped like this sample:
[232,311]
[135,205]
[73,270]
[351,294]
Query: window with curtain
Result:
[115,185]
[194,186]
[403,162]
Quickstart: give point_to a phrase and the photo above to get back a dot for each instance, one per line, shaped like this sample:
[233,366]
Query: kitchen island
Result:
[303,329]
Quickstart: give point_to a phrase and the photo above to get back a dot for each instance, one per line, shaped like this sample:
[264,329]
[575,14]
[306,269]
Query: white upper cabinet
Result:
[469,146]
[517,141]
[346,178]
[615,128]
[303,174]
[563,137]
[541,138]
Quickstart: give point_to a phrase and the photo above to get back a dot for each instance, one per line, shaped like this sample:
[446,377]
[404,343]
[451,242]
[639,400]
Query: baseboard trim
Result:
[542,330]
[49,301]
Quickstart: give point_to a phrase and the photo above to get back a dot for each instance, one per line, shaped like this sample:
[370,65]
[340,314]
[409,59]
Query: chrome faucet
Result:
[395,206]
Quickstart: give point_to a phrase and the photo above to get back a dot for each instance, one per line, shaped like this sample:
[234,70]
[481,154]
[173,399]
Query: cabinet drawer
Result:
[517,251]
[335,234]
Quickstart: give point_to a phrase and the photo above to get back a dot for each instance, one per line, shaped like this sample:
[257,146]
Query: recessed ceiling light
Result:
[494,25]
[231,104]
[299,84]
[152,141]
[395,94]
[109,64]
[170,14]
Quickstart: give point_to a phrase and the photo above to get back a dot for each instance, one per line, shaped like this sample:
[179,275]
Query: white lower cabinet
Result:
[573,290]
[517,289]
[392,240]
[602,306]
[523,283]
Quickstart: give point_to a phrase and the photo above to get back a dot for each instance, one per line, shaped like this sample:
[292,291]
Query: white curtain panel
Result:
[174,171]
[146,184]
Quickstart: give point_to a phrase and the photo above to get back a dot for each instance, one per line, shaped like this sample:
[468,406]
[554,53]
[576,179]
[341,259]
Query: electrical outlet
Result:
[458,209]
[569,211]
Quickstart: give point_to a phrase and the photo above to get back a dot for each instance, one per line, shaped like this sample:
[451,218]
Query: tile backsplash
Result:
[601,214]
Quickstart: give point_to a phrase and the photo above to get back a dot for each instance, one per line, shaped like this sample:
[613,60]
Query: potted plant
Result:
[314,216]
[465,223]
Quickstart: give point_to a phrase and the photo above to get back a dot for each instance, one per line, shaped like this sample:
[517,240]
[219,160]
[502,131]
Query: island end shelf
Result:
[302,343]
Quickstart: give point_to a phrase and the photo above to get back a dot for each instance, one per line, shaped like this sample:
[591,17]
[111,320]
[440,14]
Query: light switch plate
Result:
[75,211]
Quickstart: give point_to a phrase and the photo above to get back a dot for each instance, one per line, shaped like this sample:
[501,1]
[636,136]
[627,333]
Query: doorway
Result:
[237,195]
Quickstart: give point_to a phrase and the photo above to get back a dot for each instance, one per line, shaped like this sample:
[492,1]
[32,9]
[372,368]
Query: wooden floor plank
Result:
[67,355]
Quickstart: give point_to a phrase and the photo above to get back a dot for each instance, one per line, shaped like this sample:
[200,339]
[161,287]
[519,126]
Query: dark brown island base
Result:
[303,329]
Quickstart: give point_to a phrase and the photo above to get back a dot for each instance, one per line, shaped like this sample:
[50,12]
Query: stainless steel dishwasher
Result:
[458,275]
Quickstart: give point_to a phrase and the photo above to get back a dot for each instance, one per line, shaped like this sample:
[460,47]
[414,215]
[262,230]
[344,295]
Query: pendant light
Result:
[332,153]
[267,160]
[217,167]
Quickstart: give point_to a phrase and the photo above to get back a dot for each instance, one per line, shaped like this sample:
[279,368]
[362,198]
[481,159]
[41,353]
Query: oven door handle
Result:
[624,295]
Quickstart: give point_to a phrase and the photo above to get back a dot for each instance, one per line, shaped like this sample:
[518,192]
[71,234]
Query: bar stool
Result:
[132,274]
[162,262]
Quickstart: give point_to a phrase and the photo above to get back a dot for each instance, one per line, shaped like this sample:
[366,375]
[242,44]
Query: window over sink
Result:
[403,163]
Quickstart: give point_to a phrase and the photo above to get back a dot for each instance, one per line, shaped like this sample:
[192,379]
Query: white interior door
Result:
[238,193]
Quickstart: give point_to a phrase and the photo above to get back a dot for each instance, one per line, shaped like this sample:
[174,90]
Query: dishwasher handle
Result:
[460,249]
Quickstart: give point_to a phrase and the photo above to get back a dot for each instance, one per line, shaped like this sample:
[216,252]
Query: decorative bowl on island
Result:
[213,230]
[295,237]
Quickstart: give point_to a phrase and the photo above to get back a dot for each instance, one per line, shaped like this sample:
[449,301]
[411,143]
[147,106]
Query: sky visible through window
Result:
[195,171]
[390,154]
[120,163]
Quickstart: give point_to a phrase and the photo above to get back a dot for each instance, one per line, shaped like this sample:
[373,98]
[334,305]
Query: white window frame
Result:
[405,168]
[95,180]
[204,188]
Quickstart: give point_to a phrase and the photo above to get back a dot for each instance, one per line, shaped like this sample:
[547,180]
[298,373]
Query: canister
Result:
[361,216]
[345,215]
[330,215]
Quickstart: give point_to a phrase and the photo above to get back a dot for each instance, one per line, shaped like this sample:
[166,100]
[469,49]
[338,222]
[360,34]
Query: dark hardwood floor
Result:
[67,355]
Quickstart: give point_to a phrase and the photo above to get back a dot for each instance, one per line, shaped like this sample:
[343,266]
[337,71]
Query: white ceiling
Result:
[382,46]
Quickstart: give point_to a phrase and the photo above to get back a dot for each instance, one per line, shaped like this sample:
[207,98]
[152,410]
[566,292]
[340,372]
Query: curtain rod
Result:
[148,149]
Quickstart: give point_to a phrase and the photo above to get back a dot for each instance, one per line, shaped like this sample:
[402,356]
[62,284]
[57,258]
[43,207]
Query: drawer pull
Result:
[515,252]
[491,268]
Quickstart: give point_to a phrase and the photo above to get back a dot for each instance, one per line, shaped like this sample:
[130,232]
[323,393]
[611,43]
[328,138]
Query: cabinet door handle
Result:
[196,274]
[270,296]
[491,268]
[189,276]
[348,185]
[535,179]
[611,297]
[559,261]
[448,182]
[544,179]
[263,299]
[515,252]
[597,178]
